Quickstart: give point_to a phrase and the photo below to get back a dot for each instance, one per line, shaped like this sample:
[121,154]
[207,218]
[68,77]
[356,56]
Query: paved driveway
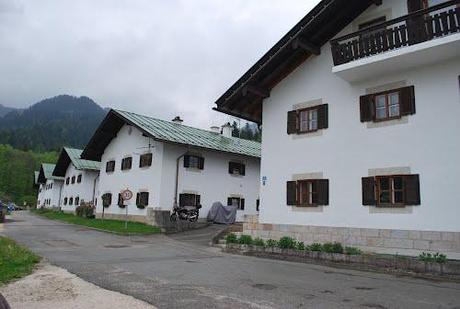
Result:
[176,273]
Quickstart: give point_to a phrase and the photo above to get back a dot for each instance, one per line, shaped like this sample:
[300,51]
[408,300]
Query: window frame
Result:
[196,197]
[391,190]
[73,179]
[105,197]
[70,201]
[237,166]
[307,110]
[191,159]
[79,178]
[311,193]
[123,163]
[77,201]
[67,181]
[139,201]
[110,166]
[387,105]
[142,163]
[65,201]
[239,201]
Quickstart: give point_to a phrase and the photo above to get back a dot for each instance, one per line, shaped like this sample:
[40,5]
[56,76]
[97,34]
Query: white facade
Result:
[213,183]
[50,195]
[83,190]
[426,143]
[40,197]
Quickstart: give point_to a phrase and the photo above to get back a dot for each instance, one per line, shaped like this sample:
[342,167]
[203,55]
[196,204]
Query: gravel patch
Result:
[53,287]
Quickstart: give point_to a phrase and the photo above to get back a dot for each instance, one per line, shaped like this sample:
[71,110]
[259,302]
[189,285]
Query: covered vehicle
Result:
[222,214]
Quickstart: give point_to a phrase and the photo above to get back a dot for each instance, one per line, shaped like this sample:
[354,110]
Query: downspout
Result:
[60,194]
[94,188]
[177,178]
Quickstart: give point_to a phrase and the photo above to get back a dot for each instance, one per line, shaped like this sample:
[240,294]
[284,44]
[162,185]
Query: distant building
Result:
[49,191]
[80,178]
[165,163]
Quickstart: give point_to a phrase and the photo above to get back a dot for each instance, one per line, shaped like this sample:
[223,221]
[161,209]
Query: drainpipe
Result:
[177,179]
[94,188]
[60,194]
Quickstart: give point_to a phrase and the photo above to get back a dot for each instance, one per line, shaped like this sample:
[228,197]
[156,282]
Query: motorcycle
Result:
[185,213]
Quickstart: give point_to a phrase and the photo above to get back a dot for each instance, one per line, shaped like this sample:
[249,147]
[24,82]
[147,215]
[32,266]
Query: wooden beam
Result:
[305,45]
[246,117]
[258,91]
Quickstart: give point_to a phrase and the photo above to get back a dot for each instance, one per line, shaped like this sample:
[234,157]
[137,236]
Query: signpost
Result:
[126,195]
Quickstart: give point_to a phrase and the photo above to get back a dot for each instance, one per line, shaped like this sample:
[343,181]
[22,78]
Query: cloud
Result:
[161,58]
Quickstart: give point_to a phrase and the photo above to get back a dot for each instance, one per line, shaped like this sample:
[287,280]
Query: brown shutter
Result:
[292,122]
[408,101]
[231,167]
[291,193]
[411,190]
[243,169]
[323,117]
[366,105]
[322,189]
[242,204]
[138,199]
[368,187]
[201,163]
[187,161]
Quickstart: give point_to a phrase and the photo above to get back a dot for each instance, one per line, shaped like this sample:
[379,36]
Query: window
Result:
[77,201]
[110,166]
[145,160]
[79,178]
[257,204]
[308,119]
[67,180]
[193,161]
[120,202]
[65,200]
[236,168]
[73,179]
[142,199]
[308,192]
[187,199]
[107,199]
[236,201]
[51,186]
[126,163]
[391,191]
[387,105]
[71,201]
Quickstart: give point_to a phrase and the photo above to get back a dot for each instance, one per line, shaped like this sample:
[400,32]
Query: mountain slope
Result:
[52,123]
[5,110]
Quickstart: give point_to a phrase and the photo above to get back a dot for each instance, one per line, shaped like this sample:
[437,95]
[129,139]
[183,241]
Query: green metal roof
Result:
[46,172]
[81,164]
[177,133]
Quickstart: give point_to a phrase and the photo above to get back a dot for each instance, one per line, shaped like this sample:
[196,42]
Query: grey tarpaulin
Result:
[222,214]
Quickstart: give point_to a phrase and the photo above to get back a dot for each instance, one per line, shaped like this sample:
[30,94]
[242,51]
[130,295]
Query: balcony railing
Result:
[421,26]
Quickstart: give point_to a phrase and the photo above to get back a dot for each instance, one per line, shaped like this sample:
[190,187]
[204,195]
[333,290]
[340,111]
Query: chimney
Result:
[177,120]
[215,129]
[227,130]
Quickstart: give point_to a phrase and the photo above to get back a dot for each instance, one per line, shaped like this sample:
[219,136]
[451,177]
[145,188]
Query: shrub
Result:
[437,257]
[300,246]
[426,257]
[85,210]
[259,242]
[440,258]
[287,242]
[352,251]
[315,247]
[337,247]
[272,243]
[231,238]
[327,247]
[245,240]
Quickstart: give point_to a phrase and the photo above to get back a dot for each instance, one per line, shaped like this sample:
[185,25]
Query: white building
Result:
[49,191]
[80,178]
[163,162]
[360,126]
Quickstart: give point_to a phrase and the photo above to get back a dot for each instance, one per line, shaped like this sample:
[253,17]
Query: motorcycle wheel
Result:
[193,218]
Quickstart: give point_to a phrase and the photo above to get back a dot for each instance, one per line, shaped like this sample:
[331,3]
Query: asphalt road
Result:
[180,271]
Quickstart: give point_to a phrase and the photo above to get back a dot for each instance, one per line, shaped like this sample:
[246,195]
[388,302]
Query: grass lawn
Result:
[117,226]
[15,261]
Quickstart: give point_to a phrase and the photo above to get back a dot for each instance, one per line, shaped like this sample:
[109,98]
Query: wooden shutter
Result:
[138,199]
[181,200]
[291,193]
[323,117]
[322,189]
[407,101]
[120,200]
[292,122]
[411,190]
[368,187]
[366,106]
[231,167]
[414,5]
[242,204]
[201,163]
[187,161]
[243,169]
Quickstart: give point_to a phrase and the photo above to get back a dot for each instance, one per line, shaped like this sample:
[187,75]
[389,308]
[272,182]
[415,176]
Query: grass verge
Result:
[117,226]
[15,261]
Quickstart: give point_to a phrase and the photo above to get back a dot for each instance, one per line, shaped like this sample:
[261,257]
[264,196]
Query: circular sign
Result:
[126,195]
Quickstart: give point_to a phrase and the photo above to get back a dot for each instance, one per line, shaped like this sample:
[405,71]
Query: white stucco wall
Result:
[52,193]
[213,183]
[83,190]
[428,143]
[40,196]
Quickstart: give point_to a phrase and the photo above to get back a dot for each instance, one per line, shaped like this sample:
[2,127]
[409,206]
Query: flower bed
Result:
[335,255]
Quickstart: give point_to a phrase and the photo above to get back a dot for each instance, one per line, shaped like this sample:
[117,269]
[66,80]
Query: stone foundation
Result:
[406,242]
[133,218]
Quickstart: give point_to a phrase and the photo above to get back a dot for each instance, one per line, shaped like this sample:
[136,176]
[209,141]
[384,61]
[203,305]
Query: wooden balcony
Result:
[421,26]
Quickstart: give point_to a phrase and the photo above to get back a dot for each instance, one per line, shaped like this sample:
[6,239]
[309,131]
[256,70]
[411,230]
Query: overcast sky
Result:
[156,57]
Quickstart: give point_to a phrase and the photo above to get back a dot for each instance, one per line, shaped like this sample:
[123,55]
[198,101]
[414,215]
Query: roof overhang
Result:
[244,99]
[41,176]
[62,164]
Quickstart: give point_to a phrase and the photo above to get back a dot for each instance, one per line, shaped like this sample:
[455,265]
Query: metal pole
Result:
[126,218]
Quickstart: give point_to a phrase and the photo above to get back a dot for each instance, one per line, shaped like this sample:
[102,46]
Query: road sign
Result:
[126,195]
